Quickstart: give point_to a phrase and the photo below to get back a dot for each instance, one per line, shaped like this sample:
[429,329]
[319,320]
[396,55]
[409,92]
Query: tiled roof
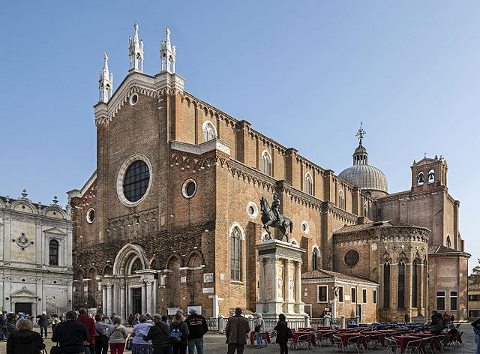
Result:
[326,274]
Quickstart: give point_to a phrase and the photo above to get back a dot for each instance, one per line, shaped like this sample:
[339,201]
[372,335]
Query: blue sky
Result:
[305,73]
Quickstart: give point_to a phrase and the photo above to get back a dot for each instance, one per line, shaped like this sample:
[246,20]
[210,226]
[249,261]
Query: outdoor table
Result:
[265,335]
[347,329]
[346,336]
[422,335]
[403,341]
[379,334]
[298,333]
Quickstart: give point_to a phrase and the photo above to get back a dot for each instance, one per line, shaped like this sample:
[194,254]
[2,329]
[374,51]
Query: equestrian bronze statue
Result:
[272,217]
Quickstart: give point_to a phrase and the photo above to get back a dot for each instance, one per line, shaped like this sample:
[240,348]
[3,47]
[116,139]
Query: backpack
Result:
[175,335]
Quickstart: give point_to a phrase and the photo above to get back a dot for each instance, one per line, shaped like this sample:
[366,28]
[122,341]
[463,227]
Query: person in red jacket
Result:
[90,325]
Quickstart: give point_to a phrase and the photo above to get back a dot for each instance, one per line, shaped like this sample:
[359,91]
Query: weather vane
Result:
[360,133]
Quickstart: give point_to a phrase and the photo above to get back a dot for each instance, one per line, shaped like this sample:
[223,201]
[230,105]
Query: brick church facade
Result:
[171,215]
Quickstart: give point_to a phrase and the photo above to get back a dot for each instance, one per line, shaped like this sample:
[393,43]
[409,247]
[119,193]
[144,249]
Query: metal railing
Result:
[218,324]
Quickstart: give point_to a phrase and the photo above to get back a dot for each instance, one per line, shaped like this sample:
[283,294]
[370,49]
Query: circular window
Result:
[351,258]
[133,99]
[252,210]
[90,215]
[304,226]
[134,180]
[189,188]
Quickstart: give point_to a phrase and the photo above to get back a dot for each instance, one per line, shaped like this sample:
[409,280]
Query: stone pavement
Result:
[215,343]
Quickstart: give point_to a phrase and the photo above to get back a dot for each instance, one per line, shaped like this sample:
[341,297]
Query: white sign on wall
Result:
[208,278]
[208,290]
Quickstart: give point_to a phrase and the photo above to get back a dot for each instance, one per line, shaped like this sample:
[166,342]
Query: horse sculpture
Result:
[269,218]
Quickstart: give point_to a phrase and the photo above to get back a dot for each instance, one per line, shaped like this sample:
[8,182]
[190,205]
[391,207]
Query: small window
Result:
[364,296]
[308,184]
[441,300]
[374,296]
[341,200]
[453,300]
[420,179]
[322,293]
[266,163]
[133,99]
[236,254]
[340,294]
[252,210]
[305,227]
[189,188]
[315,256]
[431,176]
[91,215]
[53,252]
[449,242]
[353,292]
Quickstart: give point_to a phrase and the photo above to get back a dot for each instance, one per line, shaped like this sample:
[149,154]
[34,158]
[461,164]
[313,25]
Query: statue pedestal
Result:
[280,289]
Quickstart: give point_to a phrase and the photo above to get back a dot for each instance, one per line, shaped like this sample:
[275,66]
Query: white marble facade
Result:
[35,257]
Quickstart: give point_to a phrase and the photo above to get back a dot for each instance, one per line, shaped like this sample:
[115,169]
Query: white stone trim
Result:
[204,125]
[200,149]
[184,188]
[255,213]
[242,232]
[87,216]
[121,175]
[133,99]
[304,227]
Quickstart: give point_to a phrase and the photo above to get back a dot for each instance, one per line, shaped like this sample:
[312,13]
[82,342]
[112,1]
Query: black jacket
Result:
[25,342]
[197,326]
[283,332]
[159,334]
[182,326]
[71,335]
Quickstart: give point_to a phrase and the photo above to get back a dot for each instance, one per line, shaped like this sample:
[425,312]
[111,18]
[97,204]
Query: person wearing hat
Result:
[71,335]
[197,326]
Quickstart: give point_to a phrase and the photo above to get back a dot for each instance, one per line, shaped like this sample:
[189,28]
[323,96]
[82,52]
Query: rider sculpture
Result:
[271,217]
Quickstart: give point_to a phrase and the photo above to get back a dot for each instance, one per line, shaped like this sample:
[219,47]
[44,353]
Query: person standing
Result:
[197,326]
[101,339]
[140,330]
[43,322]
[179,334]
[25,340]
[159,334]
[236,331]
[90,325]
[476,330]
[283,333]
[259,329]
[437,323]
[117,335]
[71,335]
[3,326]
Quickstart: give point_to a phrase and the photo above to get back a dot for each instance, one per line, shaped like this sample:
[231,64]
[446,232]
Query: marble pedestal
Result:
[280,289]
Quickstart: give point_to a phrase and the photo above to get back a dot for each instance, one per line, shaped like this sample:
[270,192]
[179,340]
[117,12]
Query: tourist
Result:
[159,334]
[71,334]
[140,330]
[11,322]
[149,318]
[3,326]
[179,334]
[55,321]
[197,326]
[117,335]
[283,333]
[25,340]
[259,329]
[476,330]
[90,325]
[43,323]
[101,339]
[437,323]
[236,331]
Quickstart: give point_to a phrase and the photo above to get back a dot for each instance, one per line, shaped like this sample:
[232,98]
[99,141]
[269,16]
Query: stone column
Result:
[109,299]
[38,242]
[298,288]
[8,241]
[122,302]
[104,299]
[261,277]
[393,289]
[148,287]
[421,289]
[408,288]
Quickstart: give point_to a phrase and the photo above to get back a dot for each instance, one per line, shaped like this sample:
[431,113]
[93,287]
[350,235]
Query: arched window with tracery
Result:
[341,200]
[266,163]
[386,285]
[53,252]
[236,254]
[209,132]
[308,184]
[195,278]
[401,285]
[316,259]
[92,288]
[431,176]
[78,293]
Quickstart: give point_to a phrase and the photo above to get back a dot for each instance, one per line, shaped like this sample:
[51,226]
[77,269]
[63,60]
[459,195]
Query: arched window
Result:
[401,285]
[53,252]
[315,259]
[365,209]
[386,285]
[209,132]
[420,179]
[341,200]
[308,184]
[137,265]
[236,254]
[431,176]
[449,242]
[415,283]
[266,163]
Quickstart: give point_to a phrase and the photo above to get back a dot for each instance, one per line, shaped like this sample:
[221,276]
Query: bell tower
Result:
[428,173]
[135,49]
[105,82]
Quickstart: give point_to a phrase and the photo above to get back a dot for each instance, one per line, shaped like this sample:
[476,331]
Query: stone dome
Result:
[365,177]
